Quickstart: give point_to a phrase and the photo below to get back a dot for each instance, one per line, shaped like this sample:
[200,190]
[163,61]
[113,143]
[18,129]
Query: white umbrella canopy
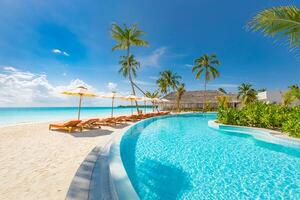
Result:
[145,99]
[81,92]
[157,100]
[112,96]
[131,98]
[165,100]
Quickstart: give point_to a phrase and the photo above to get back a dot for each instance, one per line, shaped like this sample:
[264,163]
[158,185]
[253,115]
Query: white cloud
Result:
[60,52]
[188,65]
[153,77]
[144,83]
[112,86]
[19,88]
[152,60]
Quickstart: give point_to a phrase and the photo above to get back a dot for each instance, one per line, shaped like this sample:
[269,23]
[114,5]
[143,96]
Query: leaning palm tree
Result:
[125,38]
[246,93]
[206,64]
[168,80]
[179,92]
[283,21]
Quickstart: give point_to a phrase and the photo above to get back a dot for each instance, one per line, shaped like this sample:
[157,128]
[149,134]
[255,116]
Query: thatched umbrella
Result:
[131,98]
[112,96]
[81,92]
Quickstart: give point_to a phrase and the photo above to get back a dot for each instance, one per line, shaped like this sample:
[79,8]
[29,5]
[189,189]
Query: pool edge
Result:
[263,134]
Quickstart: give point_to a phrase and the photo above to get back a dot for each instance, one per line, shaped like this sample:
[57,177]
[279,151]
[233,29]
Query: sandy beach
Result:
[36,163]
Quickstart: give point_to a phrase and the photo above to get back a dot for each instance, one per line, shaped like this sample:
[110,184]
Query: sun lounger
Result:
[90,123]
[106,121]
[68,126]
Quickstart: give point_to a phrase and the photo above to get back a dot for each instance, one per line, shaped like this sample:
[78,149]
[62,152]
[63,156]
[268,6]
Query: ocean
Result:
[9,116]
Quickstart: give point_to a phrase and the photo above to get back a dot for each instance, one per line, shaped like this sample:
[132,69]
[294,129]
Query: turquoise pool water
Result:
[182,158]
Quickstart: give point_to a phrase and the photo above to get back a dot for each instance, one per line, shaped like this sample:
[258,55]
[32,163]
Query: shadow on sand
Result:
[93,132]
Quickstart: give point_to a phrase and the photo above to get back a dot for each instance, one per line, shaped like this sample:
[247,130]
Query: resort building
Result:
[270,96]
[195,99]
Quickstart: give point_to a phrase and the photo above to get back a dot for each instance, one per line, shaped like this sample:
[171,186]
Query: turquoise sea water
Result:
[43,114]
[182,158]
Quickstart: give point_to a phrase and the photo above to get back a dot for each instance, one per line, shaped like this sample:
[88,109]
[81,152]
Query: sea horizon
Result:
[20,115]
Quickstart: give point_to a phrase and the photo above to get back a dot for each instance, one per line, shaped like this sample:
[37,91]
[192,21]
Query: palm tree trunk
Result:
[130,79]
[204,102]
[178,103]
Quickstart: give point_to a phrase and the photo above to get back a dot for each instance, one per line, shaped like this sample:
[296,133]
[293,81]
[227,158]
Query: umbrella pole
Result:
[145,107]
[79,106]
[131,107]
[112,107]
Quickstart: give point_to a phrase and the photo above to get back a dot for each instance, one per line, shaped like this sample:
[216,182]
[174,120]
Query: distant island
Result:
[140,106]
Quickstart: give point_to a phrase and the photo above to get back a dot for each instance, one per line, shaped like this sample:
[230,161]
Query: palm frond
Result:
[282,21]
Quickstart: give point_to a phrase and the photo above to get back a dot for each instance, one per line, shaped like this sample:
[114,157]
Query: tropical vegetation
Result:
[168,81]
[259,114]
[246,93]
[207,65]
[283,21]
[180,90]
[127,37]
[152,95]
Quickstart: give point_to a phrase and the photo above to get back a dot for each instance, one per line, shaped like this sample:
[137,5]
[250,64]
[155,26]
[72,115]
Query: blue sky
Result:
[58,44]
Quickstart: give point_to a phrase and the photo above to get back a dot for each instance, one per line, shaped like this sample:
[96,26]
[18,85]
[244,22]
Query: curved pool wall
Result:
[262,134]
[124,182]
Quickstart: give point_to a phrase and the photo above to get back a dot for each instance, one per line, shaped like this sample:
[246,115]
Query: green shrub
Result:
[259,114]
[292,123]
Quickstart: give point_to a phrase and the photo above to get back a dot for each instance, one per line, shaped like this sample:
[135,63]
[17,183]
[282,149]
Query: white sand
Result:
[36,163]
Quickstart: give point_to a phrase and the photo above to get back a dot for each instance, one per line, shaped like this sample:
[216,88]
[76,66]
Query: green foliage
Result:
[288,98]
[127,36]
[246,93]
[208,106]
[207,64]
[259,114]
[283,21]
[295,91]
[292,124]
[167,80]
[223,101]
[126,68]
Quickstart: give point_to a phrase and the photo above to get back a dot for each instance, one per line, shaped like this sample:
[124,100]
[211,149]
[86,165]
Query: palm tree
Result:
[128,70]
[152,95]
[295,91]
[288,98]
[179,92]
[125,38]
[283,21]
[206,64]
[223,101]
[168,80]
[246,93]
[222,90]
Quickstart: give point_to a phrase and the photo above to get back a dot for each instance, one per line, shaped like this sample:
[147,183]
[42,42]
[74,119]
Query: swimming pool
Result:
[180,157]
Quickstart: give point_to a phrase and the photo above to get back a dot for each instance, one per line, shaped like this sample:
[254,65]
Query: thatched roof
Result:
[198,96]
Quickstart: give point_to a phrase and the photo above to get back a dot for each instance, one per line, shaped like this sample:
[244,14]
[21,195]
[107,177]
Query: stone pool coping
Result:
[263,134]
[110,181]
